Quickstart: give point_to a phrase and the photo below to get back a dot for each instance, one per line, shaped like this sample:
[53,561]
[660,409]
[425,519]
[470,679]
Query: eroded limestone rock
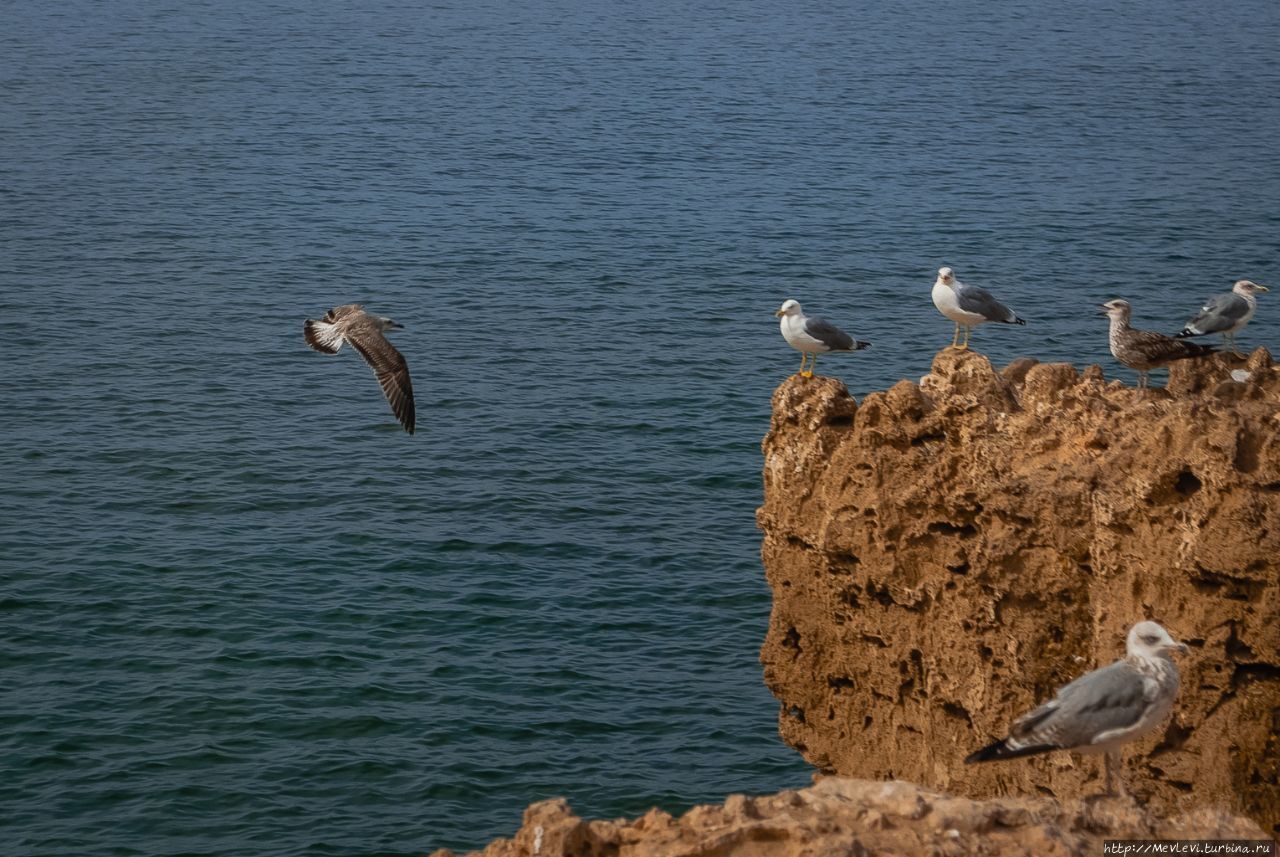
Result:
[944,555]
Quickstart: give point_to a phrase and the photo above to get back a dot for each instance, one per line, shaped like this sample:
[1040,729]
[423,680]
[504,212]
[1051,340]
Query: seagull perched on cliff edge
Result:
[1226,313]
[813,336]
[968,306]
[1103,709]
[1145,350]
[350,323]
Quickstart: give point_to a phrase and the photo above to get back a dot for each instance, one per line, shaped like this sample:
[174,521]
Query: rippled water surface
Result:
[242,612]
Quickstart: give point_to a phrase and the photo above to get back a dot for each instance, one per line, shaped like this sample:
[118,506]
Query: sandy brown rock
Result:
[943,556]
[843,817]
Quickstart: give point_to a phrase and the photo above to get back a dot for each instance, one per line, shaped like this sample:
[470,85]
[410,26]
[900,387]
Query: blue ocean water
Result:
[242,612]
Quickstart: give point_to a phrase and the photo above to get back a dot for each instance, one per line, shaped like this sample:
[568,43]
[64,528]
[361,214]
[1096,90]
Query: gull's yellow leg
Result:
[955,337]
[813,361]
[965,344]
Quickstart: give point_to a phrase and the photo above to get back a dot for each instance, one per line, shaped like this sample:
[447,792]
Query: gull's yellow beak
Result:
[1262,288]
[779,314]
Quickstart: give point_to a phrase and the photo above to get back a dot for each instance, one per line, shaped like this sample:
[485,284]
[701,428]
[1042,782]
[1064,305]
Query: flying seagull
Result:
[1227,313]
[1101,710]
[813,336]
[350,323]
[968,306]
[1144,350]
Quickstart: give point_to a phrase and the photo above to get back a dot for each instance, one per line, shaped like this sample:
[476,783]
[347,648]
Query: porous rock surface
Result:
[839,817]
[944,555]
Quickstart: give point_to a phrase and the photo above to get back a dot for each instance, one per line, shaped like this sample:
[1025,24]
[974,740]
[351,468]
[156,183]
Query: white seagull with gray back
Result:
[968,306]
[1227,313]
[1102,710]
[812,336]
[350,323]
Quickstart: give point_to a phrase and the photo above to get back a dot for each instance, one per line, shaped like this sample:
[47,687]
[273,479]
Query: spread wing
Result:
[392,371]
[1222,312]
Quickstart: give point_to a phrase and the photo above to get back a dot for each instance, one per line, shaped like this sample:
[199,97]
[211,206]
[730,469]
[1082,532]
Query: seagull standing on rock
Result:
[1102,710]
[968,306]
[813,336]
[1144,350]
[1227,313]
[350,323]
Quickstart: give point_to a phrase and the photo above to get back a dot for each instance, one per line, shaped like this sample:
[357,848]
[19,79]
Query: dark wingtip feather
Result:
[1185,332]
[858,345]
[998,750]
[1193,349]
[986,754]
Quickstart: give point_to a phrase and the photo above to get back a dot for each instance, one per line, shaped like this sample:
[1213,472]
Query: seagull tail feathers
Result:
[1188,331]
[322,336]
[858,345]
[998,750]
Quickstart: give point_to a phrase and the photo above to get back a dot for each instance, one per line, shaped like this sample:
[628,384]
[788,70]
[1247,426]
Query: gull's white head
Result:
[1248,287]
[1117,310]
[1149,640]
[788,308]
[946,276]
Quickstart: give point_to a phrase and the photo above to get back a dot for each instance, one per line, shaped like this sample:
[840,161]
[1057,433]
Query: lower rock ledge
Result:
[840,816]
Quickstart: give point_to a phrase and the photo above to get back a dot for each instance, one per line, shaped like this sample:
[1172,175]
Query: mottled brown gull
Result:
[350,323]
[1227,313]
[968,306]
[1102,710]
[1144,350]
[812,336]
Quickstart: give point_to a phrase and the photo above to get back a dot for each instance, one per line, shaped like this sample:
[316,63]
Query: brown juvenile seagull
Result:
[350,323]
[1145,350]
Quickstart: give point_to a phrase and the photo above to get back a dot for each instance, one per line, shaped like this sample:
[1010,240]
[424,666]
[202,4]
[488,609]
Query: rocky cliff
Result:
[842,817]
[944,555]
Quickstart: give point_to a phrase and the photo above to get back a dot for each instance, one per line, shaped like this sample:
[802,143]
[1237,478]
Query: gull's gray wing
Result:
[1222,312]
[828,334]
[1106,700]
[390,367]
[974,299]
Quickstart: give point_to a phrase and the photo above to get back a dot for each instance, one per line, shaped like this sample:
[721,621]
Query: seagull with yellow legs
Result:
[968,306]
[812,336]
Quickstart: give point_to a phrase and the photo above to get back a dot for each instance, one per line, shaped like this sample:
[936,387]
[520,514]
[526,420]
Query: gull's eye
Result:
[1150,639]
